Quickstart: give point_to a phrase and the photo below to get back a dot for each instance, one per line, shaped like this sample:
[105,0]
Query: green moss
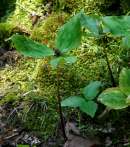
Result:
[10,97]
[5,32]
[46,30]
[40,115]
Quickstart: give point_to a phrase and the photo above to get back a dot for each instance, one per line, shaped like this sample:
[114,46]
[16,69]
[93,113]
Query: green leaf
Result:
[56,61]
[128,100]
[124,81]
[73,101]
[69,36]
[91,23]
[126,42]
[113,98]
[117,25]
[91,90]
[89,108]
[70,60]
[30,48]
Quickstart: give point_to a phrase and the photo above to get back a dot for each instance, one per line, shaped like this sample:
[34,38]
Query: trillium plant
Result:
[85,101]
[68,38]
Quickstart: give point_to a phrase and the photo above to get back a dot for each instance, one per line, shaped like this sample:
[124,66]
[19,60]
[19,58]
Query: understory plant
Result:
[117,26]
[85,101]
[68,38]
[118,97]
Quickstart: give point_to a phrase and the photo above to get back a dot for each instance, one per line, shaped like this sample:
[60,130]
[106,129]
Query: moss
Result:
[10,97]
[5,32]
[46,80]
[46,30]
[40,115]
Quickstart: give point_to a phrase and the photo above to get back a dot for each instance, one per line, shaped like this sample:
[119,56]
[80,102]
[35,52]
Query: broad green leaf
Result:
[91,23]
[30,48]
[117,25]
[73,101]
[69,36]
[70,60]
[89,108]
[124,81]
[113,98]
[126,41]
[91,90]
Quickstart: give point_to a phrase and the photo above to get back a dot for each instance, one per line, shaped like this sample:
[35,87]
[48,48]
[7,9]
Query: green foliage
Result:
[113,98]
[116,98]
[124,82]
[85,102]
[73,101]
[30,48]
[69,36]
[91,23]
[92,90]
[117,25]
[89,108]
[69,60]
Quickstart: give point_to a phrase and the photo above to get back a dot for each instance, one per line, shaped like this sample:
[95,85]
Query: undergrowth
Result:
[35,89]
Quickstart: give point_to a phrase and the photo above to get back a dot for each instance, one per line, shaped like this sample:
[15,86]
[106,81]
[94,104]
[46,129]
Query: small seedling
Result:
[85,101]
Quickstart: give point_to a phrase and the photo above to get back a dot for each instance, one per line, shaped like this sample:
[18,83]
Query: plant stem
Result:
[110,70]
[59,105]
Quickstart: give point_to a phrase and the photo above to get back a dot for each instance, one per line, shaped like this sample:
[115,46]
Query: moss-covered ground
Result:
[31,84]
